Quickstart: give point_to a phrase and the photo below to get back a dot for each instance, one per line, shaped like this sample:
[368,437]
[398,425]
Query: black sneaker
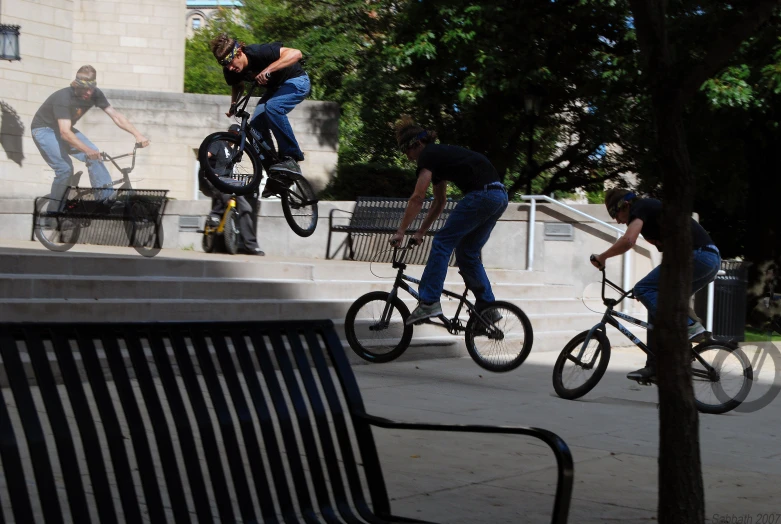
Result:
[212,221]
[288,164]
[273,186]
[644,374]
[254,251]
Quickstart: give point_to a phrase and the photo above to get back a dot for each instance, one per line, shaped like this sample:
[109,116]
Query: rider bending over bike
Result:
[643,216]
[287,84]
[470,223]
[57,139]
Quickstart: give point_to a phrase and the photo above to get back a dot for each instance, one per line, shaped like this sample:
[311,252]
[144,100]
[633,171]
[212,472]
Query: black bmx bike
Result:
[249,155]
[498,338]
[721,373]
[59,223]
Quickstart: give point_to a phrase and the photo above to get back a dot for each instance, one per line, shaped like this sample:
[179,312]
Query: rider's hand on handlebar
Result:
[263,77]
[232,110]
[92,154]
[597,262]
[396,239]
[142,141]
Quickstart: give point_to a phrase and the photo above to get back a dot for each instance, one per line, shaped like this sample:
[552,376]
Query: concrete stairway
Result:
[92,283]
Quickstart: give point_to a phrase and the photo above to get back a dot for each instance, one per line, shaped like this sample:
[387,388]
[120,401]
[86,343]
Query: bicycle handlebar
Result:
[125,171]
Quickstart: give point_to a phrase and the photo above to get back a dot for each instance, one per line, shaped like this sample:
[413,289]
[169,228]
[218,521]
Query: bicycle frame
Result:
[259,146]
[609,318]
[221,227]
[454,326]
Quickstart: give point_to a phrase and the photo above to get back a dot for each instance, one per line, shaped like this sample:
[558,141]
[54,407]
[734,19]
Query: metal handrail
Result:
[532,199]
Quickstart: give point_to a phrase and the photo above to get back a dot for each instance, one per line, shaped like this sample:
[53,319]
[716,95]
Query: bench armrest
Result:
[331,216]
[560,449]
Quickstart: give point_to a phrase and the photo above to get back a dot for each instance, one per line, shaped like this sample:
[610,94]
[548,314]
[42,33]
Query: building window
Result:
[196,23]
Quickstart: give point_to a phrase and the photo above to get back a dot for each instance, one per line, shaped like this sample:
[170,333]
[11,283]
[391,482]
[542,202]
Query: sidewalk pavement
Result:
[612,433]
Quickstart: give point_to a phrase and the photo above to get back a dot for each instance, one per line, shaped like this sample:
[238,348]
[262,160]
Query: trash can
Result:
[729,301]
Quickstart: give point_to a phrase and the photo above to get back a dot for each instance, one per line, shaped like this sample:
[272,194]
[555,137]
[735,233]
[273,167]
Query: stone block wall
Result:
[46,43]
[133,45]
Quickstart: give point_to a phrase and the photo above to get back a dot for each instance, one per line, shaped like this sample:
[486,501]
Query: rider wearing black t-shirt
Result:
[470,224]
[643,217]
[287,84]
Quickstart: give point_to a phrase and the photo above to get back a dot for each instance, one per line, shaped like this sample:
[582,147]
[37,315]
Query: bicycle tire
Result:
[726,401]
[517,354]
[211,242]
[66,228]
[357,339]
[144,234]
[246,169]
[230,235]
[771,352]
[602,352]
[295,199]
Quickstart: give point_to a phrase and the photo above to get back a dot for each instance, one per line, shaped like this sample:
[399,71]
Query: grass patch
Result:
[754,335]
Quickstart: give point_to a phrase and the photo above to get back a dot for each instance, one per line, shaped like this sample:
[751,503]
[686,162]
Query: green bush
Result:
[354,180]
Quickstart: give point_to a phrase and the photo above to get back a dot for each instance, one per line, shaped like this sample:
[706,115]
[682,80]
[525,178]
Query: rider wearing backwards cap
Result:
[642,216]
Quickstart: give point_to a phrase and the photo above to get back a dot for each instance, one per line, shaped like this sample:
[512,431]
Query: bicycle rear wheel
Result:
[375,327]
[574,374]
[506,343]
[721,377]
[55,232]
[236,171]
[299,206]
[144,231]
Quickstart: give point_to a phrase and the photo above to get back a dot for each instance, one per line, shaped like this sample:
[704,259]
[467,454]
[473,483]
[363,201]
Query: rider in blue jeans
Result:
[277,68]
[643,216]
[57,139]
[470,223]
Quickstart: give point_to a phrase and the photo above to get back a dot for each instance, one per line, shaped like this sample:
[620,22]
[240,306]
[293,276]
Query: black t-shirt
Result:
[219,159]
[468,170]
[259,57]
[65,104]
[649,210]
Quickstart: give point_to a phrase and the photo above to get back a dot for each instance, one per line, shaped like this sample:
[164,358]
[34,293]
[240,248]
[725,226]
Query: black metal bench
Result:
[196,422]
[128,217]
[374,220]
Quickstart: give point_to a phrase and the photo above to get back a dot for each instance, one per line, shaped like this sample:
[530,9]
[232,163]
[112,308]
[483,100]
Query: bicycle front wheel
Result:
[299,206]
[503,345]
[230,234]
[576,373]
[721,377]
[375,327]
[229,168]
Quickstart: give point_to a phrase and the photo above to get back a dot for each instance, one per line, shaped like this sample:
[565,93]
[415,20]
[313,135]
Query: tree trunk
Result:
[681,497]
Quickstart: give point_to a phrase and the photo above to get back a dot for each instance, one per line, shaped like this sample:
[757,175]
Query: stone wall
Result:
[46,44]
[133,45]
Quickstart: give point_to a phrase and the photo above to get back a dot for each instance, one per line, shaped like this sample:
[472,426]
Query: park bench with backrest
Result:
[373,221]
[196,422]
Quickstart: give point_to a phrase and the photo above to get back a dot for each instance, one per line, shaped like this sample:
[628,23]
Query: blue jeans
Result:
[57,152]
[466,230]
[705,266]
[271,115]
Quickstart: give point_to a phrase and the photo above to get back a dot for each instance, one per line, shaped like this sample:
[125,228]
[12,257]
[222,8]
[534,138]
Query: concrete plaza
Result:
[613,434]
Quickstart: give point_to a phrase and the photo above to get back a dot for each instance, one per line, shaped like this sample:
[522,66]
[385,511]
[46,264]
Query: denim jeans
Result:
[466,230]
[705,266]
[271,115]
[57,152]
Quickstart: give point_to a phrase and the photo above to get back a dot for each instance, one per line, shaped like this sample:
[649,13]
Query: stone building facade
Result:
[200,12]
[138,51]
